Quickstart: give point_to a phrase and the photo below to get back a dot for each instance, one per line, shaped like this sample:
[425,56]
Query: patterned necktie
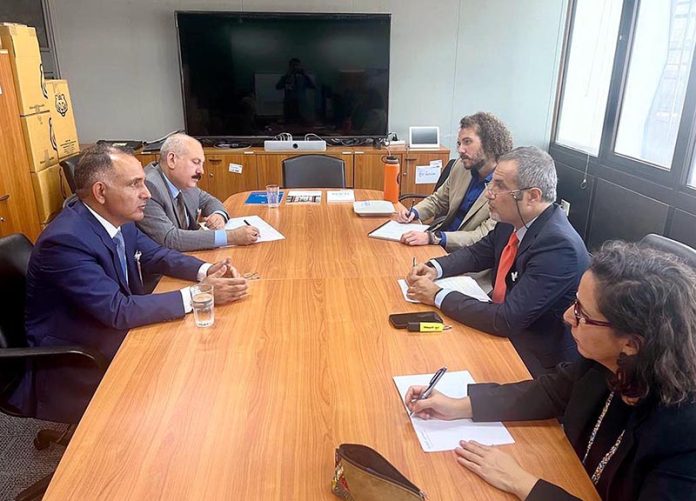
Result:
[121,251]
[181,211]
[507,258]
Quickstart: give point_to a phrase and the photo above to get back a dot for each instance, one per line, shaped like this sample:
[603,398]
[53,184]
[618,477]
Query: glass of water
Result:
[273,195]
[203,302]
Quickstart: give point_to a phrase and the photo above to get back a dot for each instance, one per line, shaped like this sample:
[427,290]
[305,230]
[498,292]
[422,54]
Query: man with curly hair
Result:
[460,204]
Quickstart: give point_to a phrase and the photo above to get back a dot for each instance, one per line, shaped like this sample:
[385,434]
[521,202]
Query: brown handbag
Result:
[362,474]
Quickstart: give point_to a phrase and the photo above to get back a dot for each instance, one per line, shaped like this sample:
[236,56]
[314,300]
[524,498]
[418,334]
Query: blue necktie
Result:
[121,250]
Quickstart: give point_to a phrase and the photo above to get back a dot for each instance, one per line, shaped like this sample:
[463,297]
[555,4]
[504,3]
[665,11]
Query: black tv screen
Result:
[262,74]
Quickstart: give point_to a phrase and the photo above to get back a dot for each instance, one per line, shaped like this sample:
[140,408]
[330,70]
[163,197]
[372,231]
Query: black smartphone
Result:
[401,320]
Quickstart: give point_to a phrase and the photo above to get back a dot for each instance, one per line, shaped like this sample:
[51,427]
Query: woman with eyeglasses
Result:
[628,407]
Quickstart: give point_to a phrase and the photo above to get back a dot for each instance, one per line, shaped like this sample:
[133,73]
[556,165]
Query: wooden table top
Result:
[253,407]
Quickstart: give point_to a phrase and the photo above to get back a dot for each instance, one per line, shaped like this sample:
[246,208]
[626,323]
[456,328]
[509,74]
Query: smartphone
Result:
[401,320]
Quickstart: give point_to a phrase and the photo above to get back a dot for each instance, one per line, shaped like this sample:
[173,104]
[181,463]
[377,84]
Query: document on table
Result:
[391,230]
[436,435]
[340,196]
[373,208]
[466,285]
[303,197]
[267,233]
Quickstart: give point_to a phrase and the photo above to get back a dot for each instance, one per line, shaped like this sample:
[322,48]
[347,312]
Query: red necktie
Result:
[507,258]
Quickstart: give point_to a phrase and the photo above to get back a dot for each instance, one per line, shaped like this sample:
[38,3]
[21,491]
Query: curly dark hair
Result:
[495,136]
[650,295]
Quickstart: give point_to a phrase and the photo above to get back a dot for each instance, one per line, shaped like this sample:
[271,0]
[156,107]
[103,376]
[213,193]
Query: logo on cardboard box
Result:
[61,104]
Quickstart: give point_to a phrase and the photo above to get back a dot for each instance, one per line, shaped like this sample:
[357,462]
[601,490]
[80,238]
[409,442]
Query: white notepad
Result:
[436,435]
[466,285]
[267,233]
[340,196]
[392,230]
[303,197]
[373,208]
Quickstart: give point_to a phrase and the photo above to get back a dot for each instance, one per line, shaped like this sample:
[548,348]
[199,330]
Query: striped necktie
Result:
[121,251]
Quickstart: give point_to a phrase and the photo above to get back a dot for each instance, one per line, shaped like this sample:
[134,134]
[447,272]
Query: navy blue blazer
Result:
[656,458]
[540,286]
[77,295]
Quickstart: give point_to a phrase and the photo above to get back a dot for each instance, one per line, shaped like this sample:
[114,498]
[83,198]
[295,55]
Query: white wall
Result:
[449,58]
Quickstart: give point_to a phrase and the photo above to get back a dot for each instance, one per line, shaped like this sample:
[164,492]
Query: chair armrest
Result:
[406,196]
[56,351]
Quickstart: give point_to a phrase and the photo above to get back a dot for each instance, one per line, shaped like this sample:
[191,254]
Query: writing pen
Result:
[431,386]
[414,262]
[247,223]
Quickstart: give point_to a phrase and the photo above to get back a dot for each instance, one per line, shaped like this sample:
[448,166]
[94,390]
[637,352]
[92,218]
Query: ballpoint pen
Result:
[431,386]
[247,223]
[414,262]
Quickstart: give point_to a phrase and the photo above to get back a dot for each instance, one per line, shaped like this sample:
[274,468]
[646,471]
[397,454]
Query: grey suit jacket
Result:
[446,201]
[160,221]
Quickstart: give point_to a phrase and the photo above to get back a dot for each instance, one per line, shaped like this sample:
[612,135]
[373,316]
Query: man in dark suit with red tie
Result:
[537,260]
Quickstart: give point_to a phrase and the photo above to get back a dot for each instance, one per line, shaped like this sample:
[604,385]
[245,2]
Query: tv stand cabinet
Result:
[230,171]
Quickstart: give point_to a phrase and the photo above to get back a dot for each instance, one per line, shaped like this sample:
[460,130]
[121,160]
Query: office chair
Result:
[313,171]
[16,357]
[440,181]
[68,165]
[666,244]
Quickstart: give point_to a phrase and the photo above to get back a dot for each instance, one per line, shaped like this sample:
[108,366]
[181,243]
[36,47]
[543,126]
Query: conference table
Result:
[253,407]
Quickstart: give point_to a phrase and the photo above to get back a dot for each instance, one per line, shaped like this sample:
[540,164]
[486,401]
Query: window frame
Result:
[677,175]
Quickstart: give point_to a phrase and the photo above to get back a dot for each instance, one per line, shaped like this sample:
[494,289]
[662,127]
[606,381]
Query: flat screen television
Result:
[257,75]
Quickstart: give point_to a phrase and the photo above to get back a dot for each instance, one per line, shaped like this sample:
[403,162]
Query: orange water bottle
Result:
[391,178]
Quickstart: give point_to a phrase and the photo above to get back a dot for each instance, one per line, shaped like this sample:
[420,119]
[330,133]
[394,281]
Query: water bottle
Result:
[391,178]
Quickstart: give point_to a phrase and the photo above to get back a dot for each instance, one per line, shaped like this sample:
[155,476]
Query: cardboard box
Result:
[60,106]
[48,192]
[40,141]
[25,57]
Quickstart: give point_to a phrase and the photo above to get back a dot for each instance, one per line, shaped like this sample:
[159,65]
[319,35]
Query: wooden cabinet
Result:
[415,158]
[364,168]
[17,203]
[229,173]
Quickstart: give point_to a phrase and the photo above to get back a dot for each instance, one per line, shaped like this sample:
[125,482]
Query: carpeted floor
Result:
[20,463]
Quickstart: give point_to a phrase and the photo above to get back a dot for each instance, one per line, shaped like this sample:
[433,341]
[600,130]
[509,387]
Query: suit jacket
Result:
[77,295]
[160,221]
[446,201]
[541,285]
[656,458]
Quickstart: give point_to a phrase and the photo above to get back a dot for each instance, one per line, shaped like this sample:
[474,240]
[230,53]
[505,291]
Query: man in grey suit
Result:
[172,214]
[460,201]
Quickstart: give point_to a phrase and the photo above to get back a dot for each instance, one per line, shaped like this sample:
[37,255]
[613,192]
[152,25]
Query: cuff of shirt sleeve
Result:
[220,238]
[440,297]
[415,211]
[437,267]
[186,298]
[203,271]
[223,214]
[443,240]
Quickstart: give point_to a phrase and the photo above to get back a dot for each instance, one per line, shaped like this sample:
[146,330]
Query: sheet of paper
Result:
[466,285]
[427,174]
[373,207]
[436,163]
[267,233]
[392,230]
[435,435]
[340,196]
[303,197]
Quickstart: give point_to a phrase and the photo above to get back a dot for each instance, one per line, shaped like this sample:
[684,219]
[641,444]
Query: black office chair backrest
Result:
[15,251]
[444,174]
[313,171]
[68,165]
[666,244]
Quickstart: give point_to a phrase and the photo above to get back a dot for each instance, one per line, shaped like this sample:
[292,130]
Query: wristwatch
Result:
[434,237]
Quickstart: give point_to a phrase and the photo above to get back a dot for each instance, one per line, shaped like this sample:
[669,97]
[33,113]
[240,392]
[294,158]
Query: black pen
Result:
[247,223]
[431,386]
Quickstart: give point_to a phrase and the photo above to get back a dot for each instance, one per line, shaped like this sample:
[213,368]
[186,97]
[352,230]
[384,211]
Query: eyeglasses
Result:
[580,315]
[493,192]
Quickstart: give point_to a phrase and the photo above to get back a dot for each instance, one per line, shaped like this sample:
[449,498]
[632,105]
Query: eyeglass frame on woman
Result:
[579,314]
[488,187]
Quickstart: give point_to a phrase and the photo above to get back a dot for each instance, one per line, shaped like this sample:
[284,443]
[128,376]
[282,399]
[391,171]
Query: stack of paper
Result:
[267,233]
[391,230]
[340,196]
[465,285]
[435,435]
[303,197]
[373,208]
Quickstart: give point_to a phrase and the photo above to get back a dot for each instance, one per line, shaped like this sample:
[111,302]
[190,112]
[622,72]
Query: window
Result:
[586,82]
[658,75]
